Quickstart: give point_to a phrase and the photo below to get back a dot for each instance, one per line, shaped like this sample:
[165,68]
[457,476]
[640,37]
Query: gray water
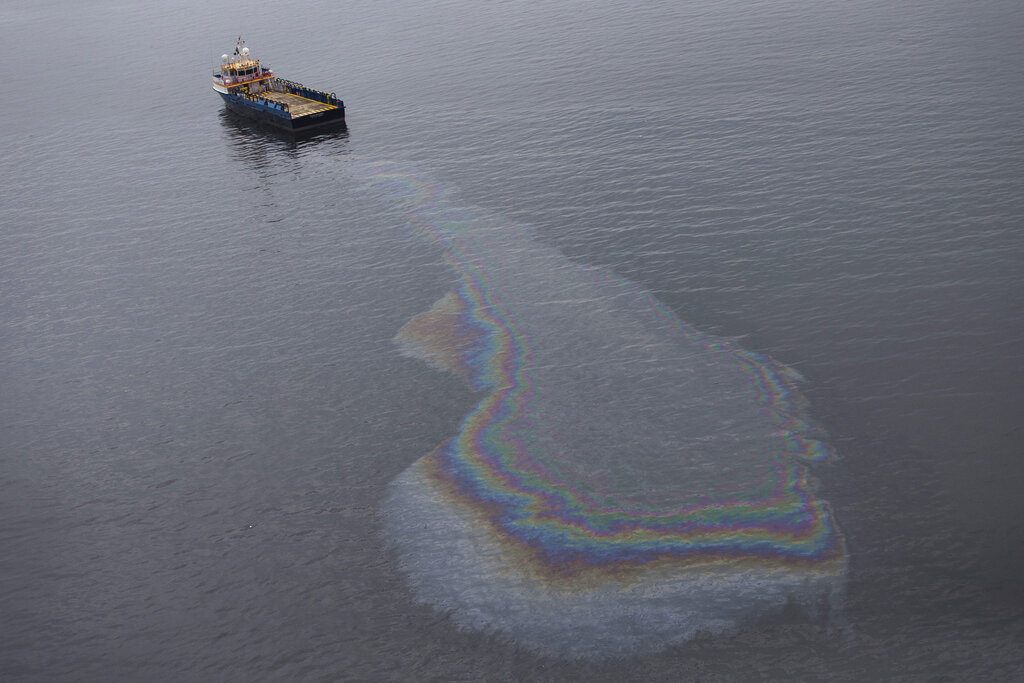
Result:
[203,406]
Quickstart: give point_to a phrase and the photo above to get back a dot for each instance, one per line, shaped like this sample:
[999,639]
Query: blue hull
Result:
[281,119]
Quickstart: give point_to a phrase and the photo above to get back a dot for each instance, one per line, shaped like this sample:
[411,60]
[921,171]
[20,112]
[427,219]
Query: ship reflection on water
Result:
[259,146]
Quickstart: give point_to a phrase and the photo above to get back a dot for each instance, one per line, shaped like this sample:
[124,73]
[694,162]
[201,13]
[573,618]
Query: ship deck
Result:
[297,106]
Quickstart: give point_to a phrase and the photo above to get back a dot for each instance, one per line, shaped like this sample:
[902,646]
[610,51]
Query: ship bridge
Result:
[241,68]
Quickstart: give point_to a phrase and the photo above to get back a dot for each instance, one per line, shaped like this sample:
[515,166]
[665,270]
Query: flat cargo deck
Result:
[297,106]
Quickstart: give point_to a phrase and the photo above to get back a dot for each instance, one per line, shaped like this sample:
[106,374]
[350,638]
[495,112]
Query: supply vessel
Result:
[251,89]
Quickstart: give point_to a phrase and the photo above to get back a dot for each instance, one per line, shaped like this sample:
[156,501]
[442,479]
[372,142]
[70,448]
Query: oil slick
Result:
[624,482]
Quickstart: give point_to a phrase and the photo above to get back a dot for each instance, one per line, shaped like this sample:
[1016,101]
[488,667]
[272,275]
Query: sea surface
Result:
[237,398]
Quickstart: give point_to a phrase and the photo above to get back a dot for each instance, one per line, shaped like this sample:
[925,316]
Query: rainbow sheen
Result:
[624,481]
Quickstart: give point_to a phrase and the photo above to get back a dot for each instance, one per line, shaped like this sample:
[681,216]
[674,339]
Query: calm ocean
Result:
[207,420]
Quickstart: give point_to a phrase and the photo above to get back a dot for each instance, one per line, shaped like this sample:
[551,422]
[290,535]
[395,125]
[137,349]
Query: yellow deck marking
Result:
[297,104]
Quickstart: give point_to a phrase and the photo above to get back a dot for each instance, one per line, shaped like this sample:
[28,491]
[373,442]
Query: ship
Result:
[252,89]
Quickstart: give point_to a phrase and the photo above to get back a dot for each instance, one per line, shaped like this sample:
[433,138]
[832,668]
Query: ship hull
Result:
[330,118]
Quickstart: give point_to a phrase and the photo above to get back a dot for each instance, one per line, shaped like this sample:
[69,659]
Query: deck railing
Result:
[309,93]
